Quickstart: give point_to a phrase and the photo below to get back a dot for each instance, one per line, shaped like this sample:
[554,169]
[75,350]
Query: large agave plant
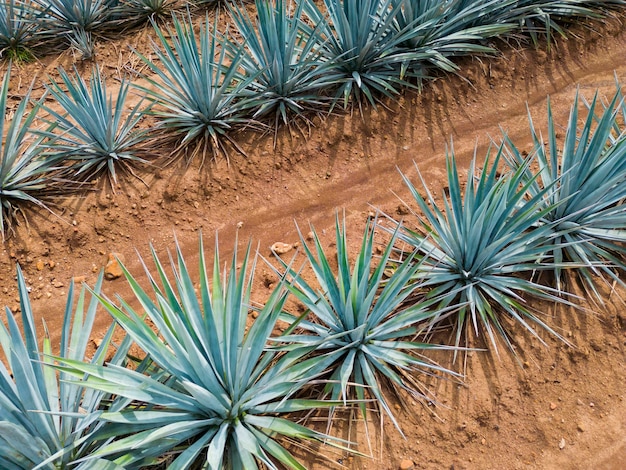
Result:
[27,176]
[47,421]
[284,55]
[359,323]
[587,176]
[480,250]
[97,134]
[197,89]
[220,394]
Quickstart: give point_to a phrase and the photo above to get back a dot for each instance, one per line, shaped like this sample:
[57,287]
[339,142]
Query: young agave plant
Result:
[46,421]
[219,396]
[76,21]
[584,206]
[97,135]
[130,13]
[358,322]
[284,55]
[27,176]
[197,90]
[479,251]
[18,29]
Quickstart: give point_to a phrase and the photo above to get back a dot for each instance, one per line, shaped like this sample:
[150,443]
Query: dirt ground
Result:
[563,409]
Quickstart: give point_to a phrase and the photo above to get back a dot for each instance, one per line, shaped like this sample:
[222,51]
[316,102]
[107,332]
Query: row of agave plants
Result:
[212,391]
[281,66]
[32,27]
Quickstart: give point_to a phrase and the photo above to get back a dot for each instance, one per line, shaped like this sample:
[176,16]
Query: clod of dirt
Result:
[280,248]
[112,269]
[406,464]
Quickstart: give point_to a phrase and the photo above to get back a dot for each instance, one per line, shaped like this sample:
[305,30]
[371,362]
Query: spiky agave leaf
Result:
[47,421]
[284,54]
[223,395]
[481,249]
[27,176]
[96,134]
[197,88]
[358,322]
[584,207]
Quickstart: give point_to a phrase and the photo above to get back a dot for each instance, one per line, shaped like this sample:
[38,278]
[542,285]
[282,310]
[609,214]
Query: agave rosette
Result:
[219,395]
[481,249]
[584,207]
[46,420]
[197,88]
[358,322]
[284,54]
[95,134]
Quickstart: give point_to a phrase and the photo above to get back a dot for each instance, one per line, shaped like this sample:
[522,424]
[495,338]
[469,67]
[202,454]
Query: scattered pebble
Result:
[580,427]
[40,265]
[406,464]
[280,248]
[553,406]
[562,443]
[112,269]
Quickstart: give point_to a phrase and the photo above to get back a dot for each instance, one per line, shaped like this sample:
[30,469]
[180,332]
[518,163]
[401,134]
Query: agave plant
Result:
[451,29]
[479,251]
[587,177]
[197,90]
[543,16]
[359,322]
[18,29]
[366,48]
[27,177]
[222,393]
[47,421]
[76,21]
[96,134]
[130,13]
[284,55]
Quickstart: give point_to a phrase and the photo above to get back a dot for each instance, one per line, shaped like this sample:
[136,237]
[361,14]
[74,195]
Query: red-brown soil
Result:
[503,415]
